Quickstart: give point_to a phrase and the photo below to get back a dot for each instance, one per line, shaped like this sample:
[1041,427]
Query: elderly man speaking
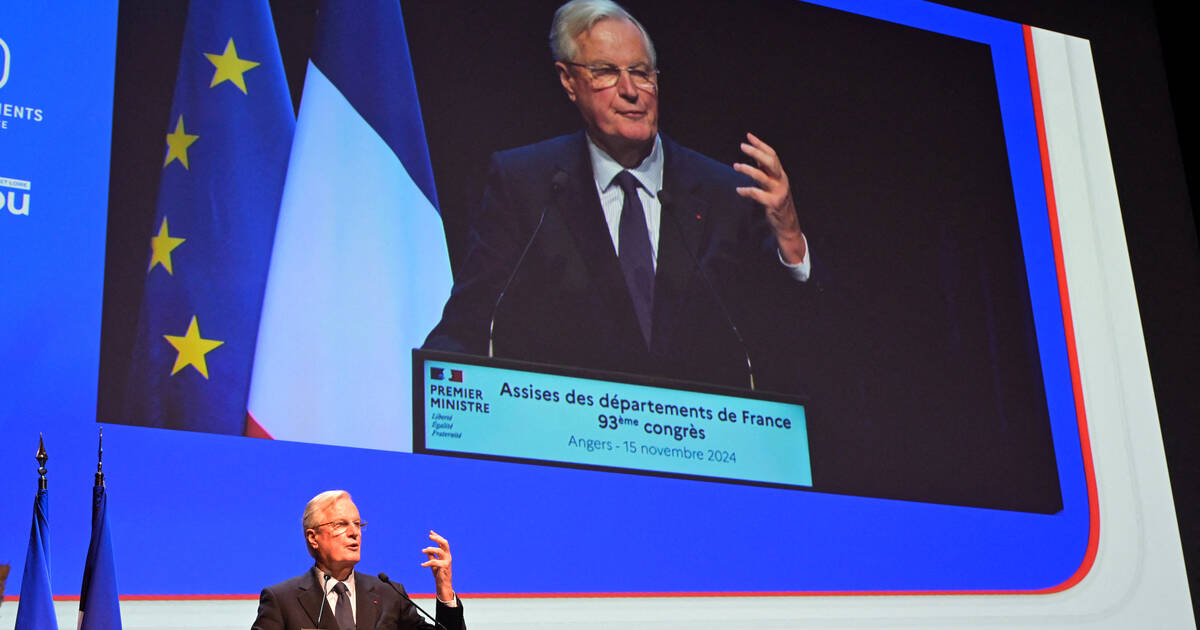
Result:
[616,248]
[333,595]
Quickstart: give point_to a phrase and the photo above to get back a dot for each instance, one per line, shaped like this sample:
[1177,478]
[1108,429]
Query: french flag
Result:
[359,269]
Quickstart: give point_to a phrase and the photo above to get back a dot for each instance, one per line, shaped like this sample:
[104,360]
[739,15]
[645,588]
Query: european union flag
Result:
[227,145]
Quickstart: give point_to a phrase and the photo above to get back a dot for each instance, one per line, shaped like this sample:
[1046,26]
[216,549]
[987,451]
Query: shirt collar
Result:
[649,173]
[328,587]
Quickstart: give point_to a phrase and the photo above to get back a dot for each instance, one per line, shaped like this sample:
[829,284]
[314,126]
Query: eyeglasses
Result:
[337,528]
[604,76]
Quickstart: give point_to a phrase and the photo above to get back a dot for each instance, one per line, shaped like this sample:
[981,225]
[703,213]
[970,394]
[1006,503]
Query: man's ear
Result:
[564,77]
[311,536]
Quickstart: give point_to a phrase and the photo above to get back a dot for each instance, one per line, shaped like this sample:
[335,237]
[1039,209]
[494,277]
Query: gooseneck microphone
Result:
[400,591]
[557,184]
[665,200]
[324,597]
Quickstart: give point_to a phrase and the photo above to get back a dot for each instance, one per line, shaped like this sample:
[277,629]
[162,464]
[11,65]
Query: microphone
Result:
[557,184]
[665,200]
[324,597]
[400,591]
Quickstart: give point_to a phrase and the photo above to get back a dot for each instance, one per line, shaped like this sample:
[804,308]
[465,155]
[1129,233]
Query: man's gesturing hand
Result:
[775,195]
[439,563]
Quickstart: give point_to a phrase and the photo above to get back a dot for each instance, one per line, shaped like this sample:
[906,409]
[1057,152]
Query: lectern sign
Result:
[502,410]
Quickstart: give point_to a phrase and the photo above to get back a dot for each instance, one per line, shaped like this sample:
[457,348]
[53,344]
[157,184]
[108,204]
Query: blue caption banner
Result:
[498,412]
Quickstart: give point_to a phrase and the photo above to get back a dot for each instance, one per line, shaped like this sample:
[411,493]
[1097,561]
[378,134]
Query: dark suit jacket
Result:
[296,603]
[568,303]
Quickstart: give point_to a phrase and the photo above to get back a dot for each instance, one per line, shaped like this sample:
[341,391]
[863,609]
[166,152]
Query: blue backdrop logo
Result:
[7,62]
[10,199]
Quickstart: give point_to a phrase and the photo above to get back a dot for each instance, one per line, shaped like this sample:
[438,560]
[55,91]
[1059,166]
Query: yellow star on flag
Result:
[178,142]
[229,67]
[161,247]
[192,348]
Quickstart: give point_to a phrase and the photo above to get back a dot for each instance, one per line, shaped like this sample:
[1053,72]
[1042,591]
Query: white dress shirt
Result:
[331,596]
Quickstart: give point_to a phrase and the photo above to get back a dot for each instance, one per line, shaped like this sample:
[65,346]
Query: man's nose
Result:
[626,88]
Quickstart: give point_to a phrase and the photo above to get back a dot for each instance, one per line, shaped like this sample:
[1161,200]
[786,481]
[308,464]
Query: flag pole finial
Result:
[100,461]
[41,458]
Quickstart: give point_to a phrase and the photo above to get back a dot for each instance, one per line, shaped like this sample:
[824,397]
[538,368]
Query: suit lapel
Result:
[311,601]
[366,603]
[689,209]
[584,218]
[680,232]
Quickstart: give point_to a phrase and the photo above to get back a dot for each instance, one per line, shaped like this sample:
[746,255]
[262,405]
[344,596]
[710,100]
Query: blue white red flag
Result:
[359,270]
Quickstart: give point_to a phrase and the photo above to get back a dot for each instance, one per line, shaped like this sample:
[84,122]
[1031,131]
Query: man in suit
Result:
[333,537]
[616,248]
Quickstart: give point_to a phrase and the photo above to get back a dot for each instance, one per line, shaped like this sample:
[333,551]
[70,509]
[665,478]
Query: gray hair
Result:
[577,16]
[316,504]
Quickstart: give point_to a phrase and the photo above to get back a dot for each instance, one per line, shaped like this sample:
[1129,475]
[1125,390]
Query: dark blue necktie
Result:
[635,254]
[343,614]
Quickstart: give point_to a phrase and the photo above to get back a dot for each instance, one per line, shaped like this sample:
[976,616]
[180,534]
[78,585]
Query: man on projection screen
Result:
[333,537]
[640,255]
